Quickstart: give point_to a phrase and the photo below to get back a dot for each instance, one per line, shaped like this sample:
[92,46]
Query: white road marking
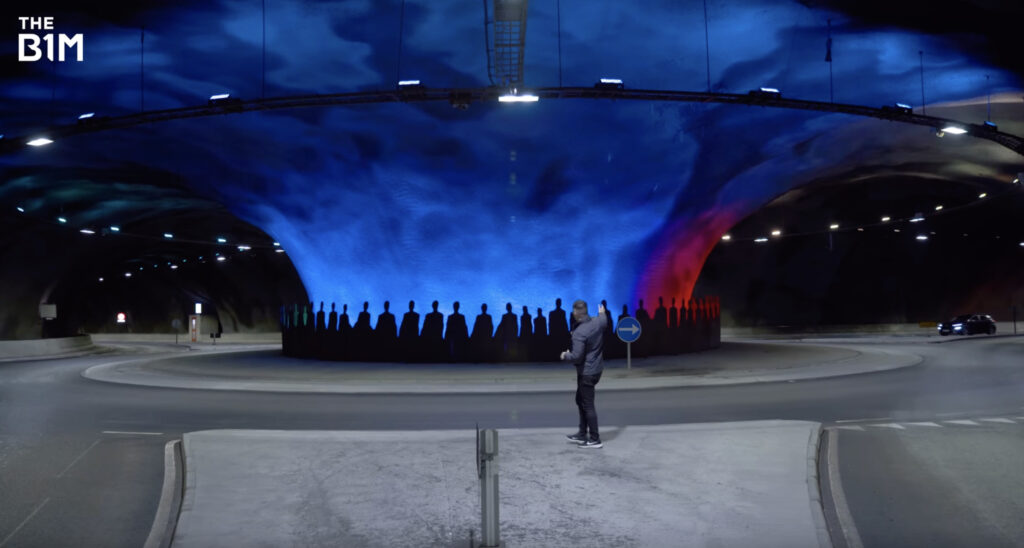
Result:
[926,423]
[889,425]
[857,428]
[998,419]
[22,524]
[78,458]
[966,422]
[133,433]
[865,420]
[846,523]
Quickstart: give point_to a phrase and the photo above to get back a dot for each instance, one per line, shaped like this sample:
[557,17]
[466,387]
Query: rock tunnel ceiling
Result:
[504,203]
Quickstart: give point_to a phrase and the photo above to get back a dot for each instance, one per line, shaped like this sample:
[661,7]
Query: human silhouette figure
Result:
[321,324]
[540,337]
[432,336]
[456,335]
[330,336]
[385,335]
[344,337]
[611,342]
[409,334]
[362,335]
[507,335]
[642,346]
[480,340]
[332,319]
[525,335]
[660,328]
[674,333]
[558,332]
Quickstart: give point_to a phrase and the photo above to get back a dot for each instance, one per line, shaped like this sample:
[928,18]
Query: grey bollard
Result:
[487,455]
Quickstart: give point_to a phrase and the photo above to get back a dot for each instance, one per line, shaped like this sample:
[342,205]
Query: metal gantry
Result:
[464,97]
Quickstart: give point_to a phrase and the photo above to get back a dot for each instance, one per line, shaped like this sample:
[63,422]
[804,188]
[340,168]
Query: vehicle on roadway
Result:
[968,324]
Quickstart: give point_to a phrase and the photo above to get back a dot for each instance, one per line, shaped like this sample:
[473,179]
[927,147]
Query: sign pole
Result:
[629,356]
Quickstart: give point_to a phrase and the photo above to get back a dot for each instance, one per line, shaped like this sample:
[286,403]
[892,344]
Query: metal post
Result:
[487,456]
[629,356]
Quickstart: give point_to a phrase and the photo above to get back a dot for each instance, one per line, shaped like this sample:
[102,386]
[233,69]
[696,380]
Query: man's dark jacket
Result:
[587,352]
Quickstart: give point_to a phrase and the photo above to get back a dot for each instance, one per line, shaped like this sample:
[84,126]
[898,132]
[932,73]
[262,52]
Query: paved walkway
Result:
[262,368]
[723,485]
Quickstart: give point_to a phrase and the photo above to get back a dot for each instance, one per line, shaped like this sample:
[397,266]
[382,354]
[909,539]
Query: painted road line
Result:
[857,428]
[888,425]
[127,433]
[846,523]
[22,524]
[865,420]
[78,458]
[926,423]
[998,419]
[966,422]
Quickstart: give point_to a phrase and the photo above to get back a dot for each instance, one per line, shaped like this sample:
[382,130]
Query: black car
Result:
[968,324]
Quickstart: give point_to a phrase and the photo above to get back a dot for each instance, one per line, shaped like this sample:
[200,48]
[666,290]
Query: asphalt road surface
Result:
[81,462]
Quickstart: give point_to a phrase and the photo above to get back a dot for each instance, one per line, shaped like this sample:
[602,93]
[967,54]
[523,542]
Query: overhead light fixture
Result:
[770,90]
[611,80]
[408,82]
[761,240]
[917,218]
[1022,244]
[86,116]
[277,244]
[174,267]
[833,226]
[20,209]
[220,96]
[222,240]
[115,228]
[859,229]
[127,274]
[1017,180]
[982,195]
[168,235]
[101,278]
[938,208]
[727,237]
[953,130]
[61,220]
[39,141]
[895,230]
[87,231]
[244,248]
[776,232]
[886,219]
[278,251]
[514,97]
[221,259]
[903,106]
[921,237]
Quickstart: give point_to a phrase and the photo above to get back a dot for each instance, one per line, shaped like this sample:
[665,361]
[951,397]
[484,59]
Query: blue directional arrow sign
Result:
[628,330]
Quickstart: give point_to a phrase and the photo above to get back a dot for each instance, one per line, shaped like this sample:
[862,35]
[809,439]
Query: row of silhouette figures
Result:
[331,336]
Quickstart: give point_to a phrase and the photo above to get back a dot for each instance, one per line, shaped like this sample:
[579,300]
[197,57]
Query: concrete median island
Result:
[725,484]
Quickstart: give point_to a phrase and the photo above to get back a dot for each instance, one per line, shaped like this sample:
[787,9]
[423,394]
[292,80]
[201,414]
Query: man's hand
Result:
[600,309]
[563,355]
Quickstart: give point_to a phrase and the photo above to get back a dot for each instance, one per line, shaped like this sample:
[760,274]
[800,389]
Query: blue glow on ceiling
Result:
[517,203]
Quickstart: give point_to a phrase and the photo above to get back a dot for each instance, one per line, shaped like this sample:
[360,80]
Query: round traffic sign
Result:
[628,330]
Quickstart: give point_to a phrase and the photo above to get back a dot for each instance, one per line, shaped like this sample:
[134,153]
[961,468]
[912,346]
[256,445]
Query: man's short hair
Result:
[579,310]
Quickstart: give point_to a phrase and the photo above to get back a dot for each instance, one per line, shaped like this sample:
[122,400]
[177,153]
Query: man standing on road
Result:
[587,354]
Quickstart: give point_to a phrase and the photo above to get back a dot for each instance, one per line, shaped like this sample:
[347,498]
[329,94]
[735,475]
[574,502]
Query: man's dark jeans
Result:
[585,389]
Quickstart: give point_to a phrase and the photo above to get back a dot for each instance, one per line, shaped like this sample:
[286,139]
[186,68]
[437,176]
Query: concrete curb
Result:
[814,491]
[166,520]
[884,360]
